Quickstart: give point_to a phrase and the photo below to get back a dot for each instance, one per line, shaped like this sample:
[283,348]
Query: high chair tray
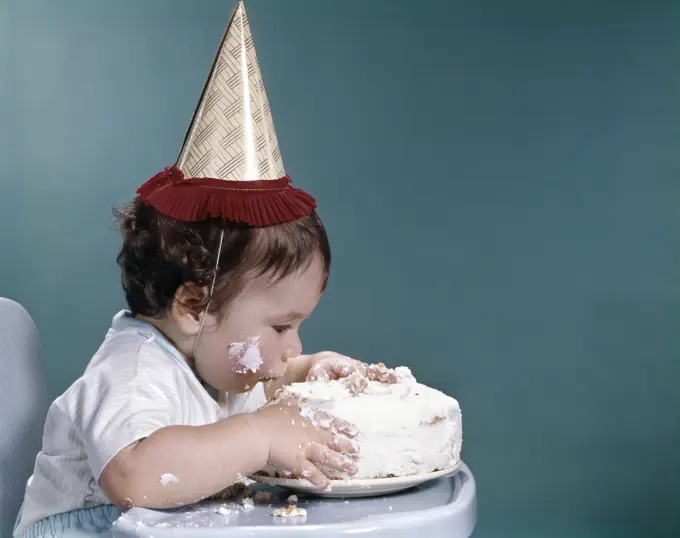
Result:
[442,508]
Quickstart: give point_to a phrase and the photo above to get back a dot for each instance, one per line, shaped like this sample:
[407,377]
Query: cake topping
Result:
[292,511]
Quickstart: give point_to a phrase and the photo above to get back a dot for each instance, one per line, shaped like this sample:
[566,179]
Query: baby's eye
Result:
[281,328]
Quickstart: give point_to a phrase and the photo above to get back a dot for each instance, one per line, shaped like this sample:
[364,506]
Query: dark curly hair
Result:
[159,254]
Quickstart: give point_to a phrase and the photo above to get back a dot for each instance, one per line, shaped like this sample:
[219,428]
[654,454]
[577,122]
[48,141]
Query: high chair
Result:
[23,406]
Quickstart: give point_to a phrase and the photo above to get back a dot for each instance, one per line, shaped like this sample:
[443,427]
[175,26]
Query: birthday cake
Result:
[405,428]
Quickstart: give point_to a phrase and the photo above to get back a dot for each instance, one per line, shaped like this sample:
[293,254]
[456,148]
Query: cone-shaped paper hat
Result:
[230,165]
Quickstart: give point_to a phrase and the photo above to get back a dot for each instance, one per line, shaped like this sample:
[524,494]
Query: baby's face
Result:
[252,340]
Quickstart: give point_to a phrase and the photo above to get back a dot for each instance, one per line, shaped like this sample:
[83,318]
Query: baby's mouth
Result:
[266,378]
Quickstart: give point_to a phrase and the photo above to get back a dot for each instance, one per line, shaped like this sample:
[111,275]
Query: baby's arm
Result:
[202,459]
[324,366]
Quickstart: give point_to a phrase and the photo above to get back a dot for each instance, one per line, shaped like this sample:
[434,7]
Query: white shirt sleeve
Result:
[119,405]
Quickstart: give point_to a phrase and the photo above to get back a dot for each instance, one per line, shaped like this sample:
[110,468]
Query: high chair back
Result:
[23,407]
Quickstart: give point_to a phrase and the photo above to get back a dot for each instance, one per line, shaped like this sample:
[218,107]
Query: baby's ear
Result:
[189,307]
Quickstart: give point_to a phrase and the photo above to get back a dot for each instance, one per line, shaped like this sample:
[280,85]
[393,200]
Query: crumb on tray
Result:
[291,511]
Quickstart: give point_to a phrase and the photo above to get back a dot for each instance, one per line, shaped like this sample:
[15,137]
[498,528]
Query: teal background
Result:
[499,180]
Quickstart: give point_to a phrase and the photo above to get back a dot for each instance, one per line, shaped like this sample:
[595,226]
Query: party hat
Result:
[230,165]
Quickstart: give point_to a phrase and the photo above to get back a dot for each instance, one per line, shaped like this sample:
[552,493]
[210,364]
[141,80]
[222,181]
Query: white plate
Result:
[355,488]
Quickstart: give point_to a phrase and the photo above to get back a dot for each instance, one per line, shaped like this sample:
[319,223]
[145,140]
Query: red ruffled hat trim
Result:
[256,203]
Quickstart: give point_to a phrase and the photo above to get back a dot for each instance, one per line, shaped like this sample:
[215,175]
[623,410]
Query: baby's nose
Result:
[294,345]
[290,353]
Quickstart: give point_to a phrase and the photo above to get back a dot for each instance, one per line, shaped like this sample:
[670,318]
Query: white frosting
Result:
[247,353]
[405,428]
[226,511]
[167,478]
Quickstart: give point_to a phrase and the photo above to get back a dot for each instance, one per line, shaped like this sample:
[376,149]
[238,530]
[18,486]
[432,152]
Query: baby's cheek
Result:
[272,359]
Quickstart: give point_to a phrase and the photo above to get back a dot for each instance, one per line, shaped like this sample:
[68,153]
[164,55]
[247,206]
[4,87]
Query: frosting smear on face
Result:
[247,354]
[405,428]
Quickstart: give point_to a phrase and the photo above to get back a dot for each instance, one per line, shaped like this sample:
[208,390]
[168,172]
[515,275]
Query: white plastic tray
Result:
[442,508]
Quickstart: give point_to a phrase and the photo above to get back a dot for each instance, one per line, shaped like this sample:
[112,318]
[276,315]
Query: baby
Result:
[143,425]
[222,260]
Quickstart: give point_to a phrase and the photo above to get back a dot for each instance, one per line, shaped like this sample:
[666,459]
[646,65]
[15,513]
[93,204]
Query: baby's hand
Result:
[329,365]
[379,372]
[297,445]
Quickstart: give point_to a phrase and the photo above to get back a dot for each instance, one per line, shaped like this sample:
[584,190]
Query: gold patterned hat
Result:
[230,165]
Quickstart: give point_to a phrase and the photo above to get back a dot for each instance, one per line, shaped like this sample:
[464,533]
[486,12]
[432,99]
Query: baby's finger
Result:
[381,374]
[333,474]
[323,420]
[312,473]
[327,355]
[326,421]
[322,455]
[344,427]
[331,366]
[343,444]
[319,372]
[342,367]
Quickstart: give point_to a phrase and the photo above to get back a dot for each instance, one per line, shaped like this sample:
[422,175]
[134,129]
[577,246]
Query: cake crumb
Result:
[248,503]
[292,499]
[291,511]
